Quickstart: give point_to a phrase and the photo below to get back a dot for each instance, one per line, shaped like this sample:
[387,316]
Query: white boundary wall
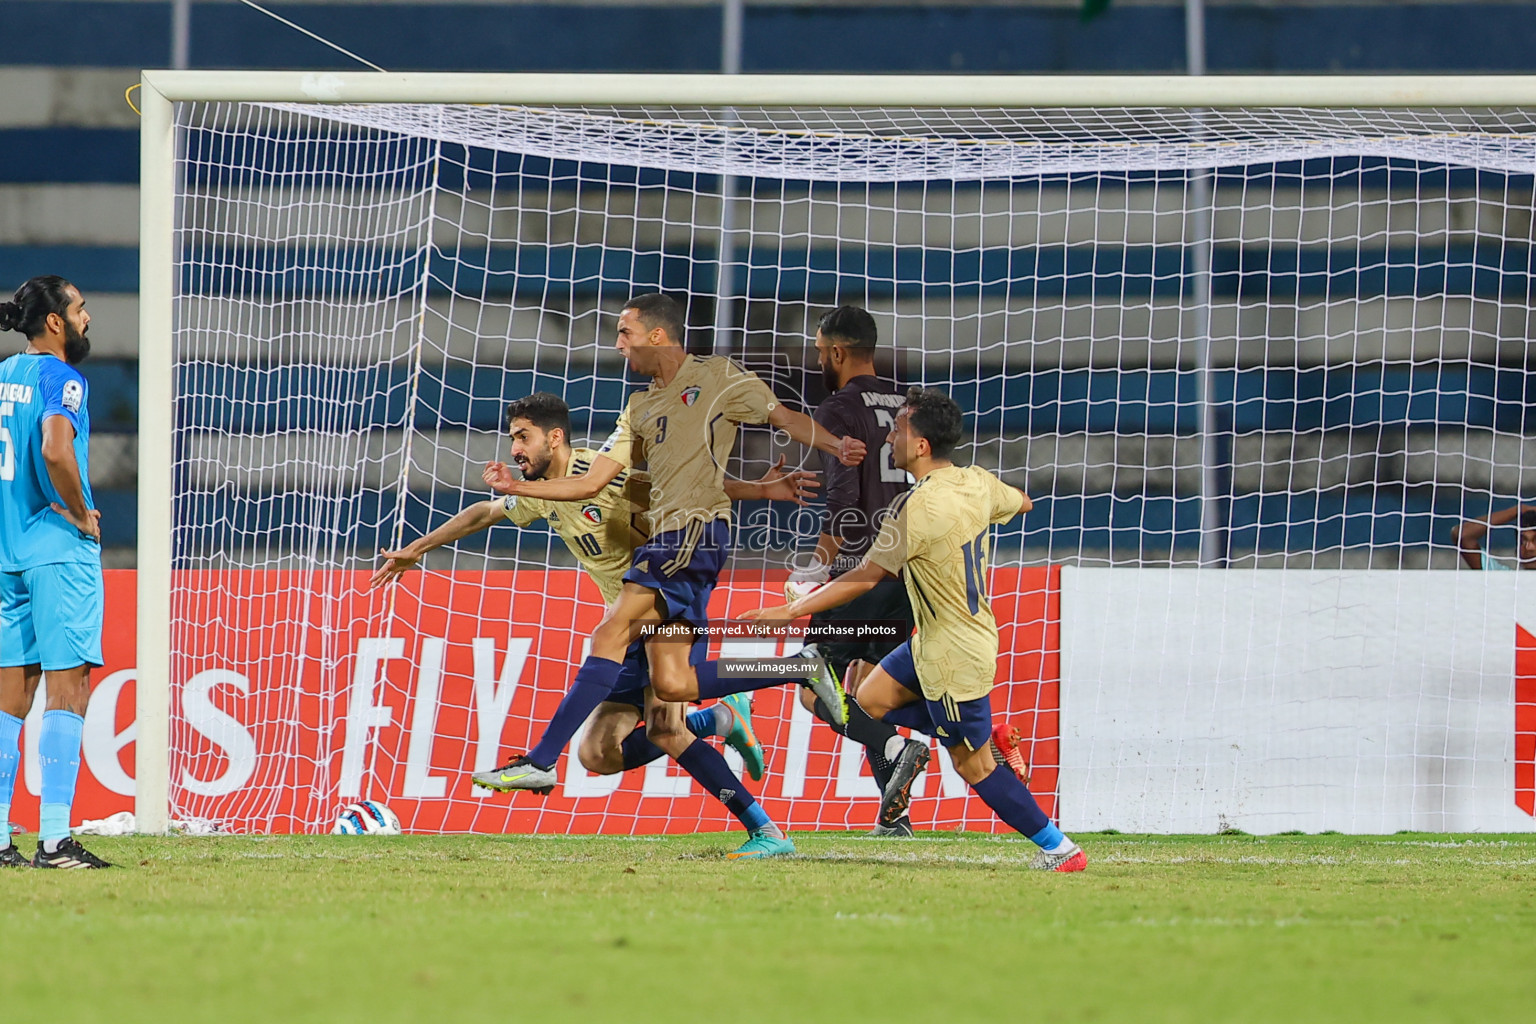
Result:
[1366,702]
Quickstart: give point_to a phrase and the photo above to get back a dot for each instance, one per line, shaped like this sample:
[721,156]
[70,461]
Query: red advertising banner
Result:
[1525,721]
[296,692]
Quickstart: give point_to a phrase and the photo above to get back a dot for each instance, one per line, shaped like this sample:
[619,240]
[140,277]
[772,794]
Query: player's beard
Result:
[536,468]
[76,345]
[829,377]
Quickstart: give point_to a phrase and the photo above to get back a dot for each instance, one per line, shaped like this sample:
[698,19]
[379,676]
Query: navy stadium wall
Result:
[99,154]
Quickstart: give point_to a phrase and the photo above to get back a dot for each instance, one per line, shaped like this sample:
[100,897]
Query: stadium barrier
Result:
[1363,702]
[1189,701]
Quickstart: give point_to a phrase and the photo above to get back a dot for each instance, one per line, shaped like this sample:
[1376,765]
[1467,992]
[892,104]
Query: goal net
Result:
[1260,339]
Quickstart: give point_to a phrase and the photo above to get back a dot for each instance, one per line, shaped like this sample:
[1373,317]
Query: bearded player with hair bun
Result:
[51,591]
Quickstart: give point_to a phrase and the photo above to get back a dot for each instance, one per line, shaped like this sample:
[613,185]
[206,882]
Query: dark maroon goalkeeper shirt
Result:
[864,408]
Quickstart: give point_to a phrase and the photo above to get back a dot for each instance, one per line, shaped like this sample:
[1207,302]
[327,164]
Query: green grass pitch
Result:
[1410,927]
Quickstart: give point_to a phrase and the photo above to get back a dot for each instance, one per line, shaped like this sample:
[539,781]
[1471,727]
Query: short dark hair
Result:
[1528,520]
[543,410]
[849,325]
[658,310]
[29,308]
[936,418]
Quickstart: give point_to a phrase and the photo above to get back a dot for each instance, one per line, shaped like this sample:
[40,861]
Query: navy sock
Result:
[713,685]
[911,716]
[638,750]
[708,767]
[594,682]
[1012,801]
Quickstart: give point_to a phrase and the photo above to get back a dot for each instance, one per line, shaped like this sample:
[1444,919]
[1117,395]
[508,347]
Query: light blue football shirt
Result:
[32,388]
[1493,564]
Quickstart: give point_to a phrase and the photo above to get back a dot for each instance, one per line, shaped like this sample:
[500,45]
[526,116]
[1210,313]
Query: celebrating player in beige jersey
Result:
[941,680]
[684,427]
[602,534]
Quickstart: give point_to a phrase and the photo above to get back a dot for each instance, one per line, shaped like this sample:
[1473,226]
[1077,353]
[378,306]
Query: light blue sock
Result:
[10,760]
[706,722]
[58,754]
[1048,839]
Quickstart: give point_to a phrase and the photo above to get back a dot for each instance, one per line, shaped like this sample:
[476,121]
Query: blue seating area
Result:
[1153,529]
[1149,524]
[1495,270]
[1460,287]
[941,37]
[267,399]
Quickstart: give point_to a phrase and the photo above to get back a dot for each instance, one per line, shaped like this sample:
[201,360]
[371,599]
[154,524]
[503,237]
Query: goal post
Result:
[1002,91]
[157,261]
[1085,133]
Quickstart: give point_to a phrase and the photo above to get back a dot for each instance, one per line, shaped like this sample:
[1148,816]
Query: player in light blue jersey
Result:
[1471,538]
[51,592]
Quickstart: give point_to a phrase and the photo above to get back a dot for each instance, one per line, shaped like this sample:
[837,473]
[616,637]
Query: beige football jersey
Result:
[684,433]
[602,532]
[938,535]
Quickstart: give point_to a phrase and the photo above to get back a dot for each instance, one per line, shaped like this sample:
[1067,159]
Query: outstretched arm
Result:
[567,488]
[848,450]
[839,592]
[479,516]
[775,485]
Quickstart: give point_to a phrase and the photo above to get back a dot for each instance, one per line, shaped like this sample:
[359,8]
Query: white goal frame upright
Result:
[163,89]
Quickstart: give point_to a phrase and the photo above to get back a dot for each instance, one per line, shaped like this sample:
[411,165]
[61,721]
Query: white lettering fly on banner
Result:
[851,782]
[493,697]
[661,780]
[220,729]
[576,781]
[792,778]
[100,741]
[419,782]
[363,717]
[797,751]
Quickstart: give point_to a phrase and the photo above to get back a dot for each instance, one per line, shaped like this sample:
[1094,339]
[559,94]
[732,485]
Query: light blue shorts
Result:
[51,615]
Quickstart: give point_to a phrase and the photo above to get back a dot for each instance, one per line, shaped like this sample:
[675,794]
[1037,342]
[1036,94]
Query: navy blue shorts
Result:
[635,676]
[954,721]
[683,566]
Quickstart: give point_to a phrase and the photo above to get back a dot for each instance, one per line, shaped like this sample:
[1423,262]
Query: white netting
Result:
[889,146]
[1236,338]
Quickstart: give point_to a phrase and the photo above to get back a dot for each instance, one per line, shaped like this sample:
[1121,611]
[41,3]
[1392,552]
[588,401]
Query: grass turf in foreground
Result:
[1317,928]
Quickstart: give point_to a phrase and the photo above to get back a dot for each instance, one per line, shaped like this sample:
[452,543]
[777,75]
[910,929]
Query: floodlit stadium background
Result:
[68,204]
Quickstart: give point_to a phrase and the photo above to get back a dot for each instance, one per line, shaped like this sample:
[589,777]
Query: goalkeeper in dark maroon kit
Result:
[860,405]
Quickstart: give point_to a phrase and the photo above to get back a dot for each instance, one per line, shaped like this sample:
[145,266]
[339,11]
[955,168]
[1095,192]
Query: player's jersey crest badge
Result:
[690,395]
[592,514]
